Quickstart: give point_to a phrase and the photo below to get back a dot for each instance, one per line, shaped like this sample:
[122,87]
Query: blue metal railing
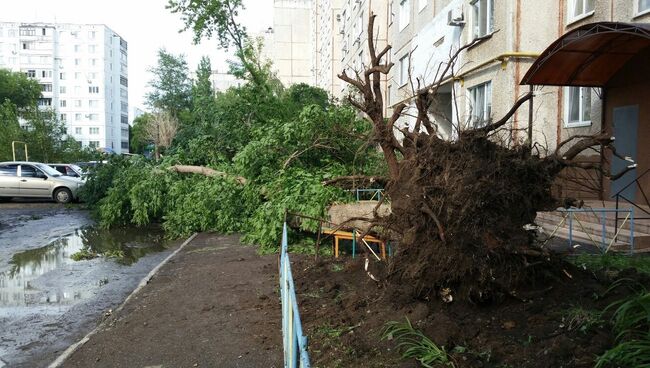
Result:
[295,343]
[375,194]
[605,244]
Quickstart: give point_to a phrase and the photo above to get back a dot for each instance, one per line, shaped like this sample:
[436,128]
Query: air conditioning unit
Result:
[455,18]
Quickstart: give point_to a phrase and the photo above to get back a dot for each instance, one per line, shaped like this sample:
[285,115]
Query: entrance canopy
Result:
[590,55]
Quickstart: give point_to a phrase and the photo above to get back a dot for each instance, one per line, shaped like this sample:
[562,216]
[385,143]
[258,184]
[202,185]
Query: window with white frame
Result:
[62,103]
[643,6]
[92,49]
[63,117]
[77,130]
[62,89]
[404,13]
[77,103]
[93,117]
[93,130]
[577,106]
[481,104]
[93,103]
[93,89]
[422,4]
[580,8]
[404,70]
[93,144]
[77,117]
[482,17]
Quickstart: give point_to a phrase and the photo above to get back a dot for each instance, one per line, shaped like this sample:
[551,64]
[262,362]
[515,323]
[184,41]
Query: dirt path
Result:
[213,305]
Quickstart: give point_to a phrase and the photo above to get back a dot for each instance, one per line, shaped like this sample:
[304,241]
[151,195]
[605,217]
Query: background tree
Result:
[137,137]
[17,88]
[161,130]
[171,86]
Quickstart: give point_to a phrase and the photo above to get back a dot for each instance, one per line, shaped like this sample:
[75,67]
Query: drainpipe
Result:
[530,119]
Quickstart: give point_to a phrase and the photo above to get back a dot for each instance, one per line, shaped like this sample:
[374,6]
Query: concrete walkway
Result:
[214,304]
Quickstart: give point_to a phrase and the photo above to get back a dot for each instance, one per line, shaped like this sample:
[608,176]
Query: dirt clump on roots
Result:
[344,313]
[460,209]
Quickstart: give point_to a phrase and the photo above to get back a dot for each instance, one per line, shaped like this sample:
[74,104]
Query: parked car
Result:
[68,170]
[37,180]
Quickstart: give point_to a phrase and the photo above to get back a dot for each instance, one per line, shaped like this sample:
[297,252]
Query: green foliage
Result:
[171,85]
[612,261]
[17,88]
[413,344]
[137,135]
[100,179]
[631,323]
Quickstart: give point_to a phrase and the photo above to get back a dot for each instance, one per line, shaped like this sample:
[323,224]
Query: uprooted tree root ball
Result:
[458,207]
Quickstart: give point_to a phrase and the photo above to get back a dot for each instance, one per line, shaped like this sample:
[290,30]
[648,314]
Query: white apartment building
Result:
[292,41]
[353,32]
[83,73]
[326,45]
[222,81]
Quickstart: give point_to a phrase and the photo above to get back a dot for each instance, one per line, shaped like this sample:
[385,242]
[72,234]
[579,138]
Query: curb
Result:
[72,348]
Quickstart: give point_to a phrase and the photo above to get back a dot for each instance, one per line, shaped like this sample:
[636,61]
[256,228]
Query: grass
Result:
[583,320]
[83,255]
[596,262]
[413,344]
[631,323]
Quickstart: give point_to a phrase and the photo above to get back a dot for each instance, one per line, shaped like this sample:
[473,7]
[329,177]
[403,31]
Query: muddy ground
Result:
[55,301]
[215,304]
[545,326]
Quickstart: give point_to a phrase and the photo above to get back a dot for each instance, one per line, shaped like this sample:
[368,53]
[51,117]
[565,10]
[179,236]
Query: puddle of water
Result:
[18,285]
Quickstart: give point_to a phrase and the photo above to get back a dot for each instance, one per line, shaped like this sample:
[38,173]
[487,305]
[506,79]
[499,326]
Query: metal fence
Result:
[368,194]
[295,343]
[605,241]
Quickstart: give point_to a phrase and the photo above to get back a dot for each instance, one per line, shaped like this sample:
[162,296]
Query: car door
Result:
[34,182]
[9,181]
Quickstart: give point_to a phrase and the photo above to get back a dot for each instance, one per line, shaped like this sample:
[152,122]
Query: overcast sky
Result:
[145,24]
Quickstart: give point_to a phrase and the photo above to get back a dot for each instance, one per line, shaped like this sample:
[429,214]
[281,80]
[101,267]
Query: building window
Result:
[93,117]
[580,9]
[93,103]
[64,117]
[77,103]
[124,119]
[62,89]
[62,76]
[93,89]
[77,48]
[643,6]
[124,81]
[481,100]
[403,70]
[77,117]
[77,90]
[46,88]
[62,103]
[91,34]
[404,13]
[46,74]
[577,106]
[31,73]
[92,75]
[422,4]
[93,62]
[482,17]
[93,144]
[77,130]
[44,102]
[94,131]
[92,48]
[77,62]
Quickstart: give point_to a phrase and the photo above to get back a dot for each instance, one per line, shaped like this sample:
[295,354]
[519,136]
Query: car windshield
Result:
[48,170]
[77,169]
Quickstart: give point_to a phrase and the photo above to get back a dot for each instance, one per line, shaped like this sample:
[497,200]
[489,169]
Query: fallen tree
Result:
[459,206]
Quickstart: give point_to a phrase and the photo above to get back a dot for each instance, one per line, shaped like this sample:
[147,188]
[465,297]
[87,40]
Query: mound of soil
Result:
[344,312]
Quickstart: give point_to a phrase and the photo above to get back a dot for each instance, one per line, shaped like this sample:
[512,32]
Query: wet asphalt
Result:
[47,300]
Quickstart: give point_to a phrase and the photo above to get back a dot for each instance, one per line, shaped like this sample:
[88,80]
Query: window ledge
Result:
[577,124]
[640,14]
[487,36]
[580,17]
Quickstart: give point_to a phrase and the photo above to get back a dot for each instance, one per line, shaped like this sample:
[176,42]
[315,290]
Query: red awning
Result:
[589,55]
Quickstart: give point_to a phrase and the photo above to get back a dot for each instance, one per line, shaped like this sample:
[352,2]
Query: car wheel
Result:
[63,195]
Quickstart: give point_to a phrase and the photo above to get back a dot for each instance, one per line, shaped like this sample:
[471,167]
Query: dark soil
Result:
[215,304]
[344,313]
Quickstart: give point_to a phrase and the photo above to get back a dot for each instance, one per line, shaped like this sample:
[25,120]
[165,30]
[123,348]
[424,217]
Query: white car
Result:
[36,180]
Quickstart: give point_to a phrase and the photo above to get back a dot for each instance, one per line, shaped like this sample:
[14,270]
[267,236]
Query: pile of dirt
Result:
[344,313]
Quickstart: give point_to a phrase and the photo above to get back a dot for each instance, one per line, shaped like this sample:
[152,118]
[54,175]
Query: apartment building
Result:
[291,39]
[326,45]
[83,73]
[353,30]
[221,81]
[486,78]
